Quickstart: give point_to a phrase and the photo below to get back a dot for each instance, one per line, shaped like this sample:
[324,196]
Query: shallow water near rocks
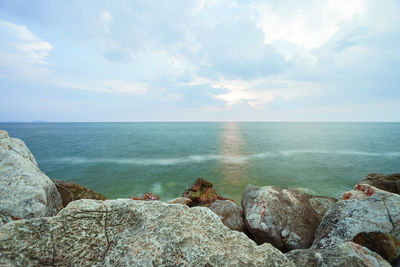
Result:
[126,159]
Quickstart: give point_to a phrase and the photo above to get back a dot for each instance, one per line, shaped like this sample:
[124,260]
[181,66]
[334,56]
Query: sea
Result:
[129,159]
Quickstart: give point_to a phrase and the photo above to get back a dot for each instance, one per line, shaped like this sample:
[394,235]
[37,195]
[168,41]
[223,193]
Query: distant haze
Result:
[203,60]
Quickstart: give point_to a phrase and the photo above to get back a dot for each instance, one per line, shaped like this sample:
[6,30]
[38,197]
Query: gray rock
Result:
[230,214]
[25,191]
[279,216]
[346,254]
[321,204]
[128,232]
[365,209]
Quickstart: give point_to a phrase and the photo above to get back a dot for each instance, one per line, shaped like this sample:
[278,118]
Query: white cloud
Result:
[308,24]
[22,51]
[117,86]
[258,92]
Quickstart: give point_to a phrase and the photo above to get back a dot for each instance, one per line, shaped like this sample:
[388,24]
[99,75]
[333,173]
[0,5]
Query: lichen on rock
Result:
[25,191]
[125,232]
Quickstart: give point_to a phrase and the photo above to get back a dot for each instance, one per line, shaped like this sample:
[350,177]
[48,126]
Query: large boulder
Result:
[70,191]
[282,217]
[385,245]
[390,183]
[346,254]
[25,191]
[126,232]
[230,214]
[365,209]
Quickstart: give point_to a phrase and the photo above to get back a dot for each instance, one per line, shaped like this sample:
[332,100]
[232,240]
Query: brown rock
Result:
[147,196]
[70,191]
[390,183]
[201,193]
[181,200]
[279,216]
[384,244]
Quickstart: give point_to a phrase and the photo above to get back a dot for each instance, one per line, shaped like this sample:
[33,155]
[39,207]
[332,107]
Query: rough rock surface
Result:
[390,183]
[148,196]
[181,200]
[230,214]
[365,209]
[201,193]
[125,232]
[321,204]
[70,191]
[279,216]
[384,244]
[25,191]
[346,254]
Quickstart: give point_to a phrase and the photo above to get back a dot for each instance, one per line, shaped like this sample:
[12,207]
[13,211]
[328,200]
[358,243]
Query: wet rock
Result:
[25,191]
[230,214]
[70,191]
[365,209]
[346,254]
[181,200]
[124,232]
[385,245]
[279,216]
[201,193]
[147,196]
[321,204]
[390,183]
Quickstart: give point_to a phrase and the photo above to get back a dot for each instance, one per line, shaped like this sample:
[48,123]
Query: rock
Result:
[390,183]
[230,214]
[279,216]
[321,204]
[25,191]
[181,200]
[365,209]
[70,191]
[201,193]
[346,254]
[147,196]
[124,232]
[384,244]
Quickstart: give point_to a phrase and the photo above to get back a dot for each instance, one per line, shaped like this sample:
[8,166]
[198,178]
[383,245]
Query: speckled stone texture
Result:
[365,209]
[230,214]
[25,191]
[282,217]
[346,254]
[126,232]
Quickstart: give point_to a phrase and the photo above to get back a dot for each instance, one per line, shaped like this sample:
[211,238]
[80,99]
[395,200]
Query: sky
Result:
[199,60]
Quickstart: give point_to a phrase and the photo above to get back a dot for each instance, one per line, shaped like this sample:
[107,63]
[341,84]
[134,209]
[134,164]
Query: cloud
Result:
[116,86]
[309,24]
[256,93]
[22,51]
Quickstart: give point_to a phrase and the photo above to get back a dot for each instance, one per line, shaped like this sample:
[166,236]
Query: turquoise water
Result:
[126,159]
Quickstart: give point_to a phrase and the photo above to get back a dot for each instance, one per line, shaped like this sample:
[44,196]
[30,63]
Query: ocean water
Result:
[127,159]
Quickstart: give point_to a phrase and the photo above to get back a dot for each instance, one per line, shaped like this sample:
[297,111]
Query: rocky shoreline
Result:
[48,222]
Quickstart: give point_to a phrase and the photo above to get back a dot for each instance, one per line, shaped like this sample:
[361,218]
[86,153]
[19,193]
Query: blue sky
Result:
[203,60]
